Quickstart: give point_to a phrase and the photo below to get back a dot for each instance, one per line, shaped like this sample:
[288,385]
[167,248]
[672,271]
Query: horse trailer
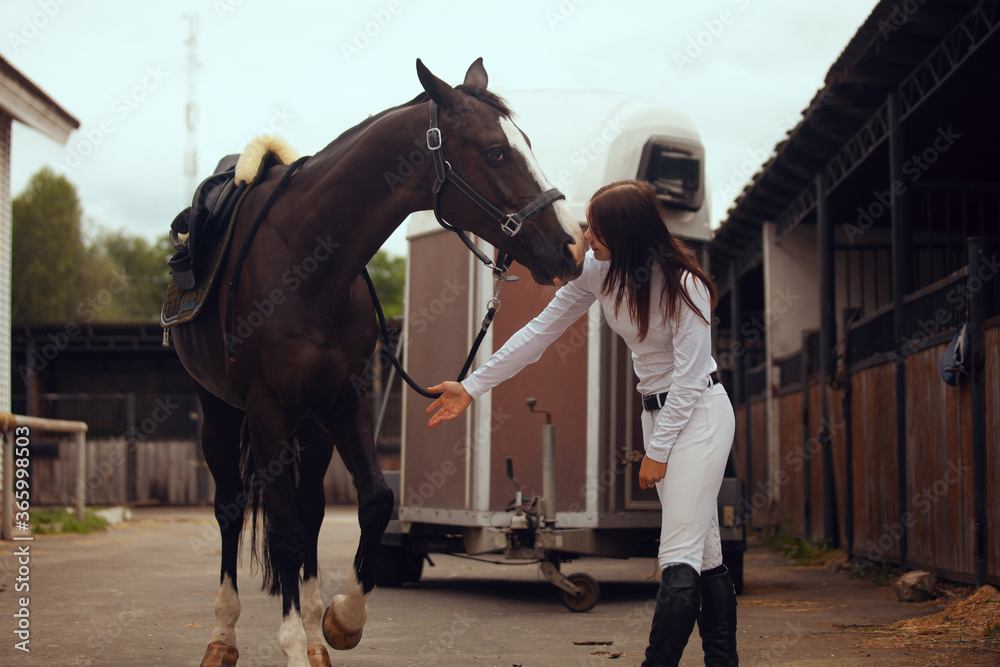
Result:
[545,467]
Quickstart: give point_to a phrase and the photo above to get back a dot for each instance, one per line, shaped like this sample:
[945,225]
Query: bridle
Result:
[510,225]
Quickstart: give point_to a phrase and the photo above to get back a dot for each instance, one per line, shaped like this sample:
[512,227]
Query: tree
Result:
[389,277]
[58,277]
[48,249]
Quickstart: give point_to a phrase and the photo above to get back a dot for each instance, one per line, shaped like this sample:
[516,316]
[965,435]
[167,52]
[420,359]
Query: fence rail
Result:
[13,438]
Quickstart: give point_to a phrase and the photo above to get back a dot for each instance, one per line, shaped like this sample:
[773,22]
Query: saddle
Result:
[198,226]
[201,232]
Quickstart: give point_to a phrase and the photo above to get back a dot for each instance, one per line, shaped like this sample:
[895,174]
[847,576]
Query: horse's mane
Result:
[489,98]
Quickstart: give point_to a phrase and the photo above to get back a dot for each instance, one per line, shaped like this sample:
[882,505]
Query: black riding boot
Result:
[674,616]
[717,620]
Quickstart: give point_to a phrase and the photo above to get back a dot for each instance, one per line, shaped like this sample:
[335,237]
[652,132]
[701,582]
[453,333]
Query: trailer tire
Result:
[591,593]
[396,566]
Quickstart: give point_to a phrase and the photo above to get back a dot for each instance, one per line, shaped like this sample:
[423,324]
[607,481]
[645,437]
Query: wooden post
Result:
[902,284]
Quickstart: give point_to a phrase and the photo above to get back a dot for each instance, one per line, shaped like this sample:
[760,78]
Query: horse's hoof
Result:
[318,656]
[337,635]
[220,654]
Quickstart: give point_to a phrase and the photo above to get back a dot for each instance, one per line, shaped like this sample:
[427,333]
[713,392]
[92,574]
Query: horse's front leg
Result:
[351,426]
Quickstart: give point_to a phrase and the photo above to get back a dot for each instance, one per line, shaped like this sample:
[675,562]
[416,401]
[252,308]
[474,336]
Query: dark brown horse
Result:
[286,398]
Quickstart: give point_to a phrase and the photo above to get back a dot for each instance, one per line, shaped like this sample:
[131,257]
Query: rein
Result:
[510,225]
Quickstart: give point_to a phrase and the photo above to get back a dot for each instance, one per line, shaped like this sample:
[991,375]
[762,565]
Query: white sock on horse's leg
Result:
[227,612]
[292,640]
[352,608]
[312,611]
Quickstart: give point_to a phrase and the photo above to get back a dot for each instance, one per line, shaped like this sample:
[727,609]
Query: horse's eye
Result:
[495,154]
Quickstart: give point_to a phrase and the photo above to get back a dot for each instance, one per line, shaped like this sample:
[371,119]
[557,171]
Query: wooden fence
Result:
[169,472]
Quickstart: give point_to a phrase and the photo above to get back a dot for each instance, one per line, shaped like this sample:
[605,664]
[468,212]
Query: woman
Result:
[657,298]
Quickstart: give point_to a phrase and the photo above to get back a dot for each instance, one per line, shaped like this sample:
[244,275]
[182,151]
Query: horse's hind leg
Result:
[316,448]
[276,465]
[351,427]
[220,440]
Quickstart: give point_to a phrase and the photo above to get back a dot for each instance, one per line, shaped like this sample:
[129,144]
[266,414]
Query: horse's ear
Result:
[438,90]
[476,76]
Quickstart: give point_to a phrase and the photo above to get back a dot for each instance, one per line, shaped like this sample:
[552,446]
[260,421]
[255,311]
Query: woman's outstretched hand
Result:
[450,404]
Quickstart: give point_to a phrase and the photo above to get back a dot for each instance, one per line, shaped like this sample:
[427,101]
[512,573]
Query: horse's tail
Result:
[253,489]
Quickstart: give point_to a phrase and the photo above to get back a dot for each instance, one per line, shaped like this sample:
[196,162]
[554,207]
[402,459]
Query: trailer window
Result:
[675,168]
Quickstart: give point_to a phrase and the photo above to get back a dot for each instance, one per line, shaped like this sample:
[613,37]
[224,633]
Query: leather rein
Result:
[510,225]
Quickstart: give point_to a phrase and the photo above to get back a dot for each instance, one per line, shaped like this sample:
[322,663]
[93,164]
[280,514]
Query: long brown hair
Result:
[627,217]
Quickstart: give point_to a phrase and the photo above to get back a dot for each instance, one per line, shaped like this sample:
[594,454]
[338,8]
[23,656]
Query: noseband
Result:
[510,223]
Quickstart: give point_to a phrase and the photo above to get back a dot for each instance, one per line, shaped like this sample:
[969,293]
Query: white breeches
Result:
[689,492]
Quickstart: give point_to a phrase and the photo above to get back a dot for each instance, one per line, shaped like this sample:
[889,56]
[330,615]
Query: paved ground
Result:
[142,594]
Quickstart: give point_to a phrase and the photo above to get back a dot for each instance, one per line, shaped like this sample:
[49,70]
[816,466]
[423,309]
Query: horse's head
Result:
[487,151]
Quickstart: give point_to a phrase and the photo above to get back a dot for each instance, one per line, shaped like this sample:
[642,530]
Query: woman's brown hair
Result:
[627,217]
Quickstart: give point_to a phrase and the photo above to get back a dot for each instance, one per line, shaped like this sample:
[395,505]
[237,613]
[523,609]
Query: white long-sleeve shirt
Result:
[675,356]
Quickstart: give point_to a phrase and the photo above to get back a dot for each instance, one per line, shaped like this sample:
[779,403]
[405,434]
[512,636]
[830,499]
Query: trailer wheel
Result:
[590,593]
[396,566]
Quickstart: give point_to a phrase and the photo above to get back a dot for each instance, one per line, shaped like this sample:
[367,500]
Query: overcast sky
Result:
[743,70]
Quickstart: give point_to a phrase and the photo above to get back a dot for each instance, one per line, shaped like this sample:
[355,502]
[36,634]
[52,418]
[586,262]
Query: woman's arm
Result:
[692,341]
[523,348]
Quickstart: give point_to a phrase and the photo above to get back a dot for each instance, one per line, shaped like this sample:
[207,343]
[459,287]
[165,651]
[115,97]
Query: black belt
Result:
[655,401]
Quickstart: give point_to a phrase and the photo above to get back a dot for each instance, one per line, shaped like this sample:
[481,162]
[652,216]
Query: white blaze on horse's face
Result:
[517,142]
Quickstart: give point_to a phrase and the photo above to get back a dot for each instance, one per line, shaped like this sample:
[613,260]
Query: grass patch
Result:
[801,552]
[57,520]
[880,574]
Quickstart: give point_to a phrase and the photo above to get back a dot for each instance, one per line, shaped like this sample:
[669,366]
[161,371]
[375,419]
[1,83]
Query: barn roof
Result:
[901,46]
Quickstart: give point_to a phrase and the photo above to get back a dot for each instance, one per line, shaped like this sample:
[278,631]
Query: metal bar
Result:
[806,454]
[980,289]
[81,475]
[131,455]
[849,314]
[7,529]
[549,474]
[827,342]
[902,277]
